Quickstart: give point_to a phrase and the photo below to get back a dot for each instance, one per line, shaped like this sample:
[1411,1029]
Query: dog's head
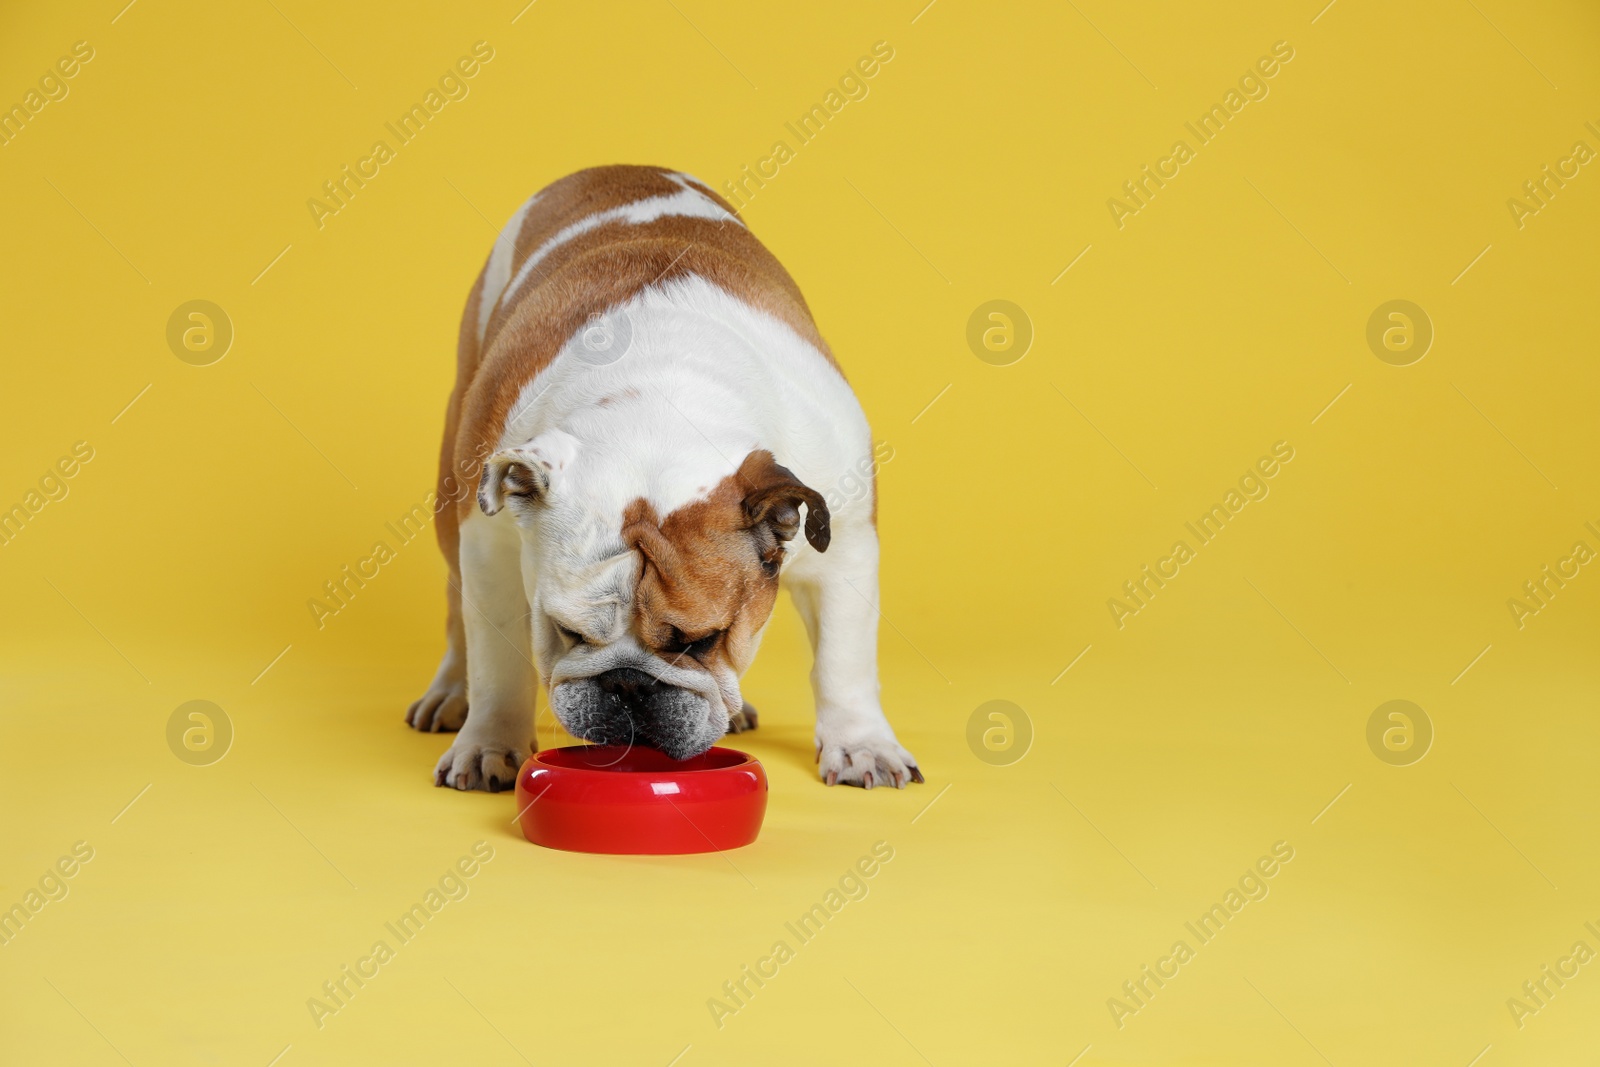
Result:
[643,622]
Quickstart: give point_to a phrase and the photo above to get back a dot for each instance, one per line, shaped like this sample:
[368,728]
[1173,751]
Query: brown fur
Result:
[712,565]
[447,521]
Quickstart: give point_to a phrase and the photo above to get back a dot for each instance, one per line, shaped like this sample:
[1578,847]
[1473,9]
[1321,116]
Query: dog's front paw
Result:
[442,708]
[743,719]
[865,758]
[489,764]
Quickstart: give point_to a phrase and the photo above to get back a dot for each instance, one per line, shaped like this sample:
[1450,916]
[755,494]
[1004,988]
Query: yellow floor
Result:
[1017,901]
[1215,748]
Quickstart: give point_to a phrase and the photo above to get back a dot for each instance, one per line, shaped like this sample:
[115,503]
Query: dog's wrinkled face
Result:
[642,628]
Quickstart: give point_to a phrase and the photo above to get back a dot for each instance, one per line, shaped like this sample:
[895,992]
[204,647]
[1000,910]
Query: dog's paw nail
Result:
[869,760]
[486,764]
[442,708]
[916,774]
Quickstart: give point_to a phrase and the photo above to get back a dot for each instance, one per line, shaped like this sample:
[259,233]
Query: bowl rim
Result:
[536,761]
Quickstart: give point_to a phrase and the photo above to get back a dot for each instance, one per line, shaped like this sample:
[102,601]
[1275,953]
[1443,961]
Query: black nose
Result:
[628,684]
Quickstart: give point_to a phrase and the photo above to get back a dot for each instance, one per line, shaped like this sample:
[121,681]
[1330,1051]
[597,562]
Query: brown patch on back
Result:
[574,198]
[595,271]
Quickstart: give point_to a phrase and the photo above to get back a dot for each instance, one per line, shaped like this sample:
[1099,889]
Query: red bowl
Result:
[611,798]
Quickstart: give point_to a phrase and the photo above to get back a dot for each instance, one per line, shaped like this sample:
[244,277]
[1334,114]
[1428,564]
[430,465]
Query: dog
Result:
[653,423]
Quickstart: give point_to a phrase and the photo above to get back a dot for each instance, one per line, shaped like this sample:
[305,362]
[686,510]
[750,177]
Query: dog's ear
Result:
[526,473]
[773,496]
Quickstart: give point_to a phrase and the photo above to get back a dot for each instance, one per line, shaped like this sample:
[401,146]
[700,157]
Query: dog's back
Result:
[581,246]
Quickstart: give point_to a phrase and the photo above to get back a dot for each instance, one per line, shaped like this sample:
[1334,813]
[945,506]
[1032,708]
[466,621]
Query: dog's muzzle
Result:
[627,706]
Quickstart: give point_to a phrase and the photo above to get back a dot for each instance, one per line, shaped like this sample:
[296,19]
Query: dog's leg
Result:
[744,719]
[444,705]
[837,596]
[498,734]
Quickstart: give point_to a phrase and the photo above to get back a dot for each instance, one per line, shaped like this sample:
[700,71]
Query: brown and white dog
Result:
[656,407]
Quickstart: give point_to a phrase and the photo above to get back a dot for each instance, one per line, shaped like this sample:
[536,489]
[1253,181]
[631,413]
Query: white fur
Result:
[714,379]
[706,380]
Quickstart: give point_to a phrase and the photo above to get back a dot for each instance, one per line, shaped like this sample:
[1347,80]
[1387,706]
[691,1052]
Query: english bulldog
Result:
[654,423]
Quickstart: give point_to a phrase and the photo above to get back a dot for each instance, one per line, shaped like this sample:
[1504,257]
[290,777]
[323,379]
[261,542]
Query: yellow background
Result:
[1224,717]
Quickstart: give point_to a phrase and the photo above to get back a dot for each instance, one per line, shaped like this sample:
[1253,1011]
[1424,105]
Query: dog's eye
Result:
[698,648]
[571,637]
